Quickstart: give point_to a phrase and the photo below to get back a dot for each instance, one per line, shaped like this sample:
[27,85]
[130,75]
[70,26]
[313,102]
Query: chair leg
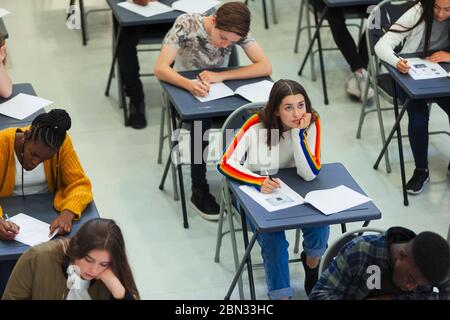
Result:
[161,128]
[83,22]
[274,12]
[173,167]
[230,218]
[311,57]
[297,240]
[299,26]
[220,228]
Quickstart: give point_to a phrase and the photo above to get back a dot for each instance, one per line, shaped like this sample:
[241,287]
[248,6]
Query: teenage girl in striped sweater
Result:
[286,133]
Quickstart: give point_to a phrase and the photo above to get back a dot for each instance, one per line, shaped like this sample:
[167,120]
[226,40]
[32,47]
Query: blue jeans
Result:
[419,115]
[274,250]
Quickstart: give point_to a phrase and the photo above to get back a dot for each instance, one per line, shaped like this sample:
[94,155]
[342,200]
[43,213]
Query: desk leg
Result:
[266,23]
[241,266]
[179,169]
[251,283]
[113,63]
[400,147]
[83,22]
[343,228]
[322,67]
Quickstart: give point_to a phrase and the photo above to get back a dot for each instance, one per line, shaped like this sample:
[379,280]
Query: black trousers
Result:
[356,57]
[128,57]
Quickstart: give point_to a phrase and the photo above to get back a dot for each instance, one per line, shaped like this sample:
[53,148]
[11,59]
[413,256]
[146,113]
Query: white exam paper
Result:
[194,6]
[256,92]
[23,105]
[151,9]
[32,231]
[217,91]
[333,200]
[3,12]
[421,69]
[282,198]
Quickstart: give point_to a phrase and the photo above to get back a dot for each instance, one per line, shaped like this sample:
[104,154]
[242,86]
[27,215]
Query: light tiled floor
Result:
[170,262]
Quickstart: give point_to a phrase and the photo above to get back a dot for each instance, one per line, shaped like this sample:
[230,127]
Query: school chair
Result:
[306,8]
[333,250]
[384,14]
[83,18]
[164,120]
[274,13]
[227,205]
[448,235]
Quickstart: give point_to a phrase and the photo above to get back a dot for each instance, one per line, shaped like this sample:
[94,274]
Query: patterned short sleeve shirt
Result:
[195,51]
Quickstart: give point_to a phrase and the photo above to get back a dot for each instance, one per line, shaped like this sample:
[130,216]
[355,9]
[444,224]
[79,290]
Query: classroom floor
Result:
[168,261]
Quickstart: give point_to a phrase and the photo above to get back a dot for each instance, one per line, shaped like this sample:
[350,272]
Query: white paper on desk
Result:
[282,198]
[32,231]
[421,69]
[194,6]
[256,92]
[23,105]
[151,9]
[3,12]
[330,201]
[217,91]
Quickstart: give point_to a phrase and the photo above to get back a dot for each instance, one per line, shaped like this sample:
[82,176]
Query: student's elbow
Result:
[158,70]
[6,91]
[267,68]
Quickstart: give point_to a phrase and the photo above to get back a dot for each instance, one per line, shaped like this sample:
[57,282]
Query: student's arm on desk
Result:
[260,67]
[163,71]
[306,146]
[426,294]
[5,80]
[74,188]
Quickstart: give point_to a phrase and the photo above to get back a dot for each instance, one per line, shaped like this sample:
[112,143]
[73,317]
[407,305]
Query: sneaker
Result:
[137,120]
[205,204]
[311,275]
[356,85]
[416,183]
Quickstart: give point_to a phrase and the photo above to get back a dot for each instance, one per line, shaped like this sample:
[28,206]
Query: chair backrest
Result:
[236,119]
[234,57]
[334,249]
[382,17]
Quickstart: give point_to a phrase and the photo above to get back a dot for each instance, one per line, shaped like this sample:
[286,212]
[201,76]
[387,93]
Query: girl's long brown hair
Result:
[103,234]
[281,89]
[2,43]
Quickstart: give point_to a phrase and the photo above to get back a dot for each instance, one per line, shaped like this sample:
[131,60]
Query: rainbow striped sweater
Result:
[249,153]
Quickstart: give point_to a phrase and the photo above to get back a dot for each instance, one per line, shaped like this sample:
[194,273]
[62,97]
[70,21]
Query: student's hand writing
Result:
[113,283]
[305,121]
[2,53]
[199,89]
[440,56]
[8,230]
[402,66]
[63,222]
[210,76]
[269,186]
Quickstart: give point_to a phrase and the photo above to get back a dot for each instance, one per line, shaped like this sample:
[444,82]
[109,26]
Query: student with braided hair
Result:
[5,80]
[39,159]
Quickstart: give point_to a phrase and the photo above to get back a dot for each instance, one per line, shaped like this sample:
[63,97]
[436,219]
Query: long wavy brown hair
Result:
[103,234]
[281,89]
[2,43]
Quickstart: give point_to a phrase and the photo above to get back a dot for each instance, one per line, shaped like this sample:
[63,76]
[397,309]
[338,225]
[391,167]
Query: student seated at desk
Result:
[407,266]
[91,265]
[5,80]
[202,42]
[424,27]
[356,56]
[129,65]
[41,159]
[286,133]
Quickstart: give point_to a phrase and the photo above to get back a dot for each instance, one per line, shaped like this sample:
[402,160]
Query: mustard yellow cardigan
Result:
[74,191]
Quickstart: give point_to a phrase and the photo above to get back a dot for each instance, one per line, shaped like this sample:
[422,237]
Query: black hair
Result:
[427,16]
[431,255]
[50,128]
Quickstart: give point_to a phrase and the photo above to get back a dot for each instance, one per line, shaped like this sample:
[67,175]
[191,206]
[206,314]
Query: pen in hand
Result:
[203,83]
[11,224]
[404,60]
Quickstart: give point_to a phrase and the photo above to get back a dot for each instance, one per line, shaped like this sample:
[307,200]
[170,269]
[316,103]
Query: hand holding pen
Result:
[270,184]
[199,88]
[402,65]
[8,229]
